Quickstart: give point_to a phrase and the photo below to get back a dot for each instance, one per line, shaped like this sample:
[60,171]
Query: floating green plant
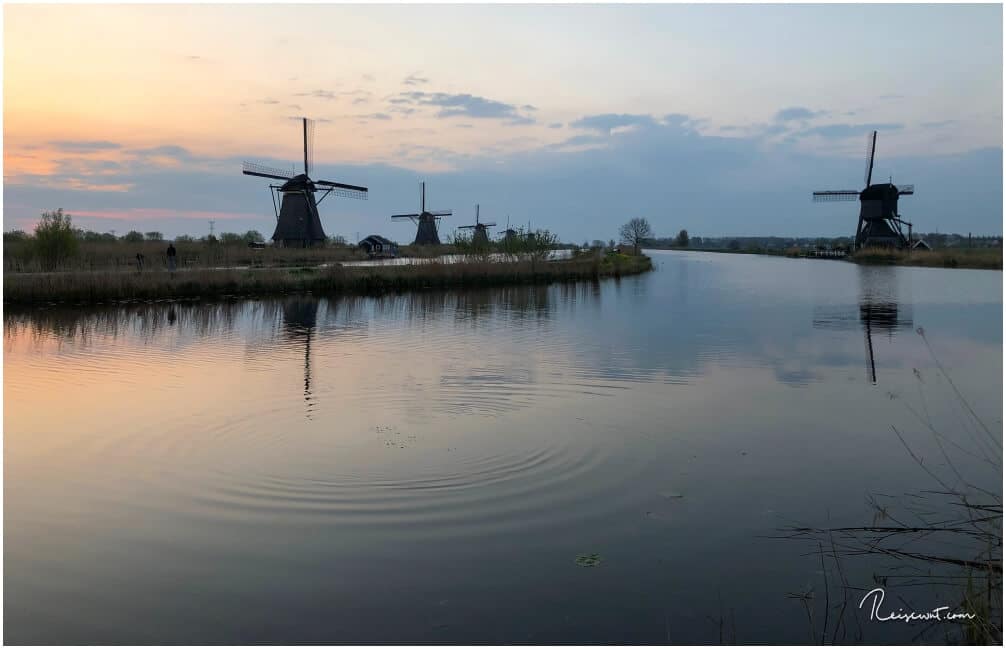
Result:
[588,560]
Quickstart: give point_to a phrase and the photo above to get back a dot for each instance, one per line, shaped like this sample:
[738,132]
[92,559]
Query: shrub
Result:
[55,239]
[232,239]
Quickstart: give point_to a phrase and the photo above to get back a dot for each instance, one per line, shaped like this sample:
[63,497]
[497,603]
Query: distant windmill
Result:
[509,234]
[297,221]
[426,222]
[879,221]
[480,236]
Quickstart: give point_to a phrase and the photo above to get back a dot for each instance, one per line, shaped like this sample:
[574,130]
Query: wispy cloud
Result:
[414,80]
[84,146]
[154,214]
[939,124]
[608,122]
[849,130]
[798,113]
[164,151]
[319,94]
[465,105]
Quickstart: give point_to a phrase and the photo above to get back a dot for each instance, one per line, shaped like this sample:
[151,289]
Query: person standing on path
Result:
[172,256]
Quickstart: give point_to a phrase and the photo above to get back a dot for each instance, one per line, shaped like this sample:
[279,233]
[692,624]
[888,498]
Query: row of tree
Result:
[638,232]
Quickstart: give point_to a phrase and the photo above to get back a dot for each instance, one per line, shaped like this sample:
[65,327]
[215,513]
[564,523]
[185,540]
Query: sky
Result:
[719,119]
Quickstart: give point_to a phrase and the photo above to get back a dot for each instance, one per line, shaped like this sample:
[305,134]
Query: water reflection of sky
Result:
[800,319]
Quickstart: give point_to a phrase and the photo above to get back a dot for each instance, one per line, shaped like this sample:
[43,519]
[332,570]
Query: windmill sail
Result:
[871,151]
[255,169]
[836,195]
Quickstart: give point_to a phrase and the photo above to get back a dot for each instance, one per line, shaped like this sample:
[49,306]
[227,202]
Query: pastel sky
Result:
[721,119]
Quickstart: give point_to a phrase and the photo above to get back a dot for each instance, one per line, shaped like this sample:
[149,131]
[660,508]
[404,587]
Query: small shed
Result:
[921,245]
[377,246]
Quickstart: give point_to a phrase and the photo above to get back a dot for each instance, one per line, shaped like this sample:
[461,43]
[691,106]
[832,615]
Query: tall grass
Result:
[947,534]
[110,285]
[989,258]
[22,256]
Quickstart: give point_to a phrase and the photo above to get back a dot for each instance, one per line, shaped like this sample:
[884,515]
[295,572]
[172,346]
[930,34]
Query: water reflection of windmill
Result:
[878,314]
[426,222]
[300,317]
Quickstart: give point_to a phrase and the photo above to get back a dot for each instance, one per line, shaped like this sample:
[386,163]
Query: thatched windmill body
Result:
[480,235]
[426,221]
[879,220]
[298,223]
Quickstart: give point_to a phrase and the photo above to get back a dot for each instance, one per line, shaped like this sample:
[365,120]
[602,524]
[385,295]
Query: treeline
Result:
[747,243]
[934,239]
[56,244]
[953,240]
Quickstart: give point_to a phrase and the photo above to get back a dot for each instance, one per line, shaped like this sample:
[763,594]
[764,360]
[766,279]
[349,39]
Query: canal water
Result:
[579,463]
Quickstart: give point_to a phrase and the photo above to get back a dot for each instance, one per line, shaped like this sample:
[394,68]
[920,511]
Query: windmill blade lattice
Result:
[255,169]
[836,196]
[871,150]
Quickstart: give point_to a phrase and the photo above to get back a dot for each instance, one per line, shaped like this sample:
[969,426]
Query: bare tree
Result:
[635,232]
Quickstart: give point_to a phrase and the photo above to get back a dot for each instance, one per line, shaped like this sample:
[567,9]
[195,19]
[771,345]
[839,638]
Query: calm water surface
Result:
[427,467]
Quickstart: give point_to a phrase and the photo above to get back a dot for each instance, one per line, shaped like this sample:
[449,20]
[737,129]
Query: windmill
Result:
[879,221]
[480,237]
[297,221]
[426,222]
[509,234]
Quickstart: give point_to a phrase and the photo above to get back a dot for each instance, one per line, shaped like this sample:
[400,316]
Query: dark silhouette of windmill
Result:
[480,236]
[879,221]
[509,234]
[297,221]
[426,222]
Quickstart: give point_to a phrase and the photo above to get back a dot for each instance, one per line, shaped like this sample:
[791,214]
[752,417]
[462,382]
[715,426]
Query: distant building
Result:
[921,245]
[377,246]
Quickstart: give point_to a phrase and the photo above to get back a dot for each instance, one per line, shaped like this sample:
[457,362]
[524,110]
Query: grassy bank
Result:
[988,258]
[22,257]
[104,286]
[984,258]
